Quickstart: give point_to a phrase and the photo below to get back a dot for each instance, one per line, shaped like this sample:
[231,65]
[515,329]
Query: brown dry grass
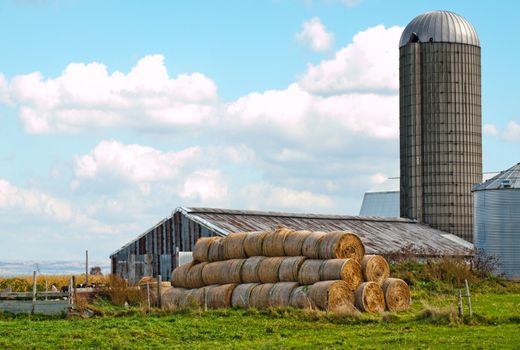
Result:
[24,283]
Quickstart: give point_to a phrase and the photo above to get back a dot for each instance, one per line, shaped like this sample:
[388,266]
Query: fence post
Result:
[159,290]
[71,296]
[74,296]
[459,304]
[33,294]
[469,299]
[148,293]
[86,268]
[46,289]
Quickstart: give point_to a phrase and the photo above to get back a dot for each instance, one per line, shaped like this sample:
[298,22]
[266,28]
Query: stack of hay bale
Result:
[302,269]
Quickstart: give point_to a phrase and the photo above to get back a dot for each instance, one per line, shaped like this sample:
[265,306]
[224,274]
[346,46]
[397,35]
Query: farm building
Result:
[155,251]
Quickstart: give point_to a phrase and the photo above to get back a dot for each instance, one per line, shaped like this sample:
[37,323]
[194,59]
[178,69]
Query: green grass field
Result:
[431,323]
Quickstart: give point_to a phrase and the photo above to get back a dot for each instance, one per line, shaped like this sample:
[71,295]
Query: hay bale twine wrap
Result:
[216,250]
[347,270]
[180,274]
[273,242]
[193,298]
[310,247]
[397,294]
[234,245]
[289,268]
[269,268]
[253,243]
[249,273]
[370,297]
[310,271]
[242,294]
[331,295]
[375,268]
[219,296]
[201,249]
[171,298]
[300,298]
[194,276]
[280,294]
[222,272]
[341,245]
[293,244]
[259,297]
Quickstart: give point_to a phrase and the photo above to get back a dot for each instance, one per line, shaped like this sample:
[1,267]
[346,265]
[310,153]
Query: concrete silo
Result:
[497,219]
[440,121]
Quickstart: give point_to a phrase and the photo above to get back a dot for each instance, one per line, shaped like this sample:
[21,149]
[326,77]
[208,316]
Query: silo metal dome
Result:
[497,219]
[440,26]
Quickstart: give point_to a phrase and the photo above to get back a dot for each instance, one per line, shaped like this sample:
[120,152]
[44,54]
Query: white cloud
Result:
[490,129]
[512,132]
[205,186]
[315,36]
[369,63]
[86,96]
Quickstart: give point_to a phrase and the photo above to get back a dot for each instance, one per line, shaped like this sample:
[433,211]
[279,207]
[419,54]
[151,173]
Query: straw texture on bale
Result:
[216,250]
[249,273]
[370,297]
[222,272]
[347,270]
[194,276]
[268,269]
[341,245]
[274,242]
[234,245]
[219,296]
[293,244]
[289,268]
[310,271]
[397,294]
[331,295]
[280,294]
[253,243]
[241,295]
[201,249]
[171,298]
[179,275]
[300,298]
[375,268]
[311,245]
[259,296]
[192,298]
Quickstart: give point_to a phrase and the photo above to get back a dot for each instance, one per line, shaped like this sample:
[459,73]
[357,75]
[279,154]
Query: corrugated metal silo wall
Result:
[161,243]
[440,134]
[497,227]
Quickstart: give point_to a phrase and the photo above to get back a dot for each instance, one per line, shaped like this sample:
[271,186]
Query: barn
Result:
[160,249]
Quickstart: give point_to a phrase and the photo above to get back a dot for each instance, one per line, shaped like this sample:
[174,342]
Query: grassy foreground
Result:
[431,323]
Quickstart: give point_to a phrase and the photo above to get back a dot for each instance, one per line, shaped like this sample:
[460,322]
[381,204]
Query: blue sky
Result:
[114,113]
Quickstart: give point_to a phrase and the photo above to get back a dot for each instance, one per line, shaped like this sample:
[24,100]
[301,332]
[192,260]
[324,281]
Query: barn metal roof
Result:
[380,235]
[507,179]
[440,26]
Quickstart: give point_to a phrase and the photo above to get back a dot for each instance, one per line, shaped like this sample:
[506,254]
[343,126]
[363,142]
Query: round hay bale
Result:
[259,296]
[268,269]
[146,280]
[171,298]
[293,244]
[234,246]
[331,295]
[397,294]
[242,294]
[375,268]
[273,242]
[249,273]
[341,245]
[218,297]
[253,243]
[310,271]
[280,294]
[300,298]
[289,268]
[194,276]
[310,247]
[222,272]
[370,297]
[201,249]
[179,275]
[216,250]
[347,270]
[193,298]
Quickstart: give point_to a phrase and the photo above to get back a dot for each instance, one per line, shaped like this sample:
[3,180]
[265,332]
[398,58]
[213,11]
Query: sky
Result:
[114,113]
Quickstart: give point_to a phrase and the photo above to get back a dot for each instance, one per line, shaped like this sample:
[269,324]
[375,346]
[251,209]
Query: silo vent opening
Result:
[506,183]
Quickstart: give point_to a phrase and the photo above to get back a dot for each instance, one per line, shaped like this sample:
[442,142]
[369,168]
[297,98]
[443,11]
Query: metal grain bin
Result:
[497,219]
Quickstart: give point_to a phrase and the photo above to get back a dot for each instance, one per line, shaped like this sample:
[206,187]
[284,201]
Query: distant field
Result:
[496,324]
